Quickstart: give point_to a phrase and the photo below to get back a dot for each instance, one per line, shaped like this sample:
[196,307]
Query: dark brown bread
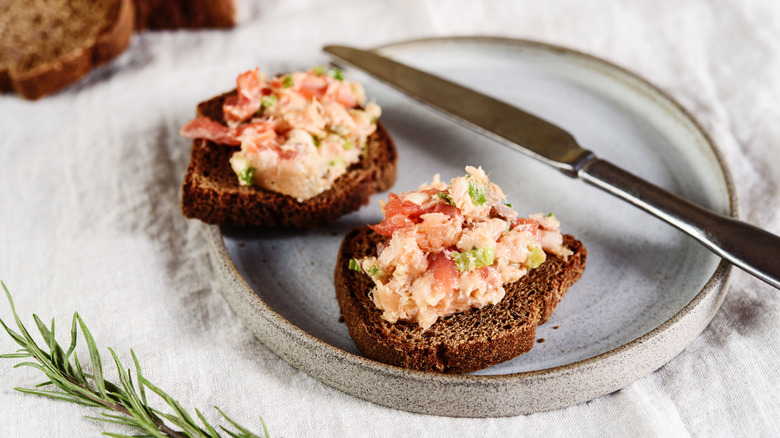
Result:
[460,343]
[47,46]
[44,48]
[184,14]
[212,194]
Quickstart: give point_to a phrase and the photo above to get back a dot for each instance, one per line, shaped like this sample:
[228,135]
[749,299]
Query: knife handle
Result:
[747,247]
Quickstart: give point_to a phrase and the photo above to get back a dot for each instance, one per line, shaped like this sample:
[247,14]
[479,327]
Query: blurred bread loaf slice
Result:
[48,45]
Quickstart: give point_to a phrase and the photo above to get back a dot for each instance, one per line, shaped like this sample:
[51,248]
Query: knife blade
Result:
[748,247]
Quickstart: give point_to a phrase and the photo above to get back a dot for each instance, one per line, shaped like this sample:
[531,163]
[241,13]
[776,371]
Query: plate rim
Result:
[245,301]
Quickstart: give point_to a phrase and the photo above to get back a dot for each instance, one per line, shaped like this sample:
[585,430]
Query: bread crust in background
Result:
[184,14]
[459,343]
[211,191]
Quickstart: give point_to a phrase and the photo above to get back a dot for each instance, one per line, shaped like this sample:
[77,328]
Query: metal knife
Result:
[746,246]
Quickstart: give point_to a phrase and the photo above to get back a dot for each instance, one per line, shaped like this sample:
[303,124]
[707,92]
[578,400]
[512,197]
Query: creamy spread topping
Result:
[452,247]
[298,132]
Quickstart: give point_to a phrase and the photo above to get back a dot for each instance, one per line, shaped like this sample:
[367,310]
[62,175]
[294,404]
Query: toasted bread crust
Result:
[184,14]
[460,343]
[212,194]
[70,67]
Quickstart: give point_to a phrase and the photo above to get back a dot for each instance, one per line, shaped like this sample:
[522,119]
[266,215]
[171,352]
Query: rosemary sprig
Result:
[127,398]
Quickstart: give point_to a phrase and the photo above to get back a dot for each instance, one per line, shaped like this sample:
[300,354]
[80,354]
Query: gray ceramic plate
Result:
[647,292]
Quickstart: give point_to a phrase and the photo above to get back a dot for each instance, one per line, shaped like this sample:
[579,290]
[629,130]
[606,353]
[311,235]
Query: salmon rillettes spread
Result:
[298,132]
[452,247]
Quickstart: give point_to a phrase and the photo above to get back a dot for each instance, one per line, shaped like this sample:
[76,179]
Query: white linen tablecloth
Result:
[89,215]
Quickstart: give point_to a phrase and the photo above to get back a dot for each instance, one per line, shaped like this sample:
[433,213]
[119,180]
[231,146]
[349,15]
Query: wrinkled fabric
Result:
[89,216]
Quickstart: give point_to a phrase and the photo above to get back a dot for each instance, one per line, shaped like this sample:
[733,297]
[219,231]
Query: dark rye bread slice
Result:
[46,46]
[463,342]
[212,194]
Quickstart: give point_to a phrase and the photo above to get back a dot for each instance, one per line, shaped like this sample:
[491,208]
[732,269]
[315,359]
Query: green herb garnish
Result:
[374,271]
[349,144]
[268,101]
[338,161]
[474,259]
[247,175]
[508,204]
[318,70]
[65,372]
[287,81]
[536,257]
[477,193]
[446,197]
[336,74]
[355,265]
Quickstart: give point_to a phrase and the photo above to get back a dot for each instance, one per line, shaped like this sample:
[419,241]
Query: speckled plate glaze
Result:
[647,292]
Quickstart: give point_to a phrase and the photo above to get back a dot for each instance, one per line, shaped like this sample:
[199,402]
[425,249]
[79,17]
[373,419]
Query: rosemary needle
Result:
[128,399]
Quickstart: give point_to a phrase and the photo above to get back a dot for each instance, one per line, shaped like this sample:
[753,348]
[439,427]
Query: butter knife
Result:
[750,248]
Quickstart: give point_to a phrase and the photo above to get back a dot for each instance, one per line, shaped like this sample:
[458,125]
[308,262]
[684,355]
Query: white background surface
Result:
[89,215]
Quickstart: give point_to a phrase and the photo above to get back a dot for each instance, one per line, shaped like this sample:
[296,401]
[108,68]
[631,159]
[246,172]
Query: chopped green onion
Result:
[268,101]
[247,175]
[349,144]
[508,204]
[316,141]
[355,265]
[477,193]
[550,215]
[336,161]
[336,74]
[446,197]
[318,70]
[374,271]
[474,259]
[243,169]
[536,257]
[287,81]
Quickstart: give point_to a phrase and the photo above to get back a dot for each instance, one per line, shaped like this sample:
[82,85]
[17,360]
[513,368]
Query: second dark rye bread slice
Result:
[212,194]
[459,343]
